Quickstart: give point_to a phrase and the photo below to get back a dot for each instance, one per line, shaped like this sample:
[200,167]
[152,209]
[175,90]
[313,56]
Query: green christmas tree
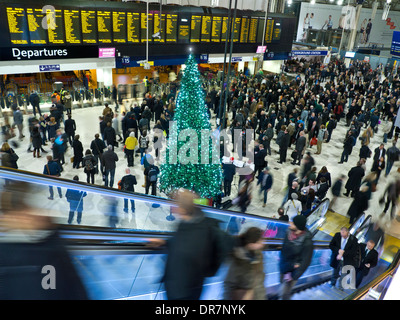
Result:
[191,159]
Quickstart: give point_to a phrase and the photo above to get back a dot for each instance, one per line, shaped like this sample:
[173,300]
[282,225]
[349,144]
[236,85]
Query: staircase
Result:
[322,292]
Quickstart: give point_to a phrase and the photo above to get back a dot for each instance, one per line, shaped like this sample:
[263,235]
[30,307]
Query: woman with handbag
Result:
[245,277]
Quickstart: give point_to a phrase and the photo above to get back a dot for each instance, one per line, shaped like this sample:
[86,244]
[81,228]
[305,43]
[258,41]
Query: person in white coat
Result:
[293,207]
[115,125]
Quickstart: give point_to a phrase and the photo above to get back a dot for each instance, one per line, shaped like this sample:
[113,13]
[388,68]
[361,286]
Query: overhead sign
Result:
[46,53]
[395,47]
[204,58]
[261,49]
[106,52]
[236,59]
[309,53]
[49,67]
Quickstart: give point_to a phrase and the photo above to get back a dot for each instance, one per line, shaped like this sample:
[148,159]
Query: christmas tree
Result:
[191,159]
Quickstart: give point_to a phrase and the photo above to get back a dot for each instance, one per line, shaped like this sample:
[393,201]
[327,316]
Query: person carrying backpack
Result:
[127,183]
[151,173]
[89,164]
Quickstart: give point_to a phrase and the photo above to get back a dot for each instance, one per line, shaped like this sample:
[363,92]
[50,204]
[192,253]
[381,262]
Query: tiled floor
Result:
[87,125]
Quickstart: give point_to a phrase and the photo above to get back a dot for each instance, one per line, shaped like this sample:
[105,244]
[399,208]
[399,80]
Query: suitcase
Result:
[227,204]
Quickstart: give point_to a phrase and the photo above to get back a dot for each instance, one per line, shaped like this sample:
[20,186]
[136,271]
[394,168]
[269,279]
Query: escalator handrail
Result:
[362,224]
[363,290]
[120,193]
[313,210]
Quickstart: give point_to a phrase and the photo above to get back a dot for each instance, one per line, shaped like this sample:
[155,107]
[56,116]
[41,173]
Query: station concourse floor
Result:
[88,124]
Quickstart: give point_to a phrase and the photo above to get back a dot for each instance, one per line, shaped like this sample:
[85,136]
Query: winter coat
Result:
[350,250]
[246,272]
[355,176]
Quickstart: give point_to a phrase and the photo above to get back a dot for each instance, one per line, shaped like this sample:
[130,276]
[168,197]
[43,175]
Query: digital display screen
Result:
[216,29]
[253,30]
[133,27]
[72,23]
[224,29]
[184,30]
[119,27]
[89,26]
[37,34]
[236,29]
[104,26]
[171,28]
[159,28]
[195,29]
[143,26]
[55,26]
[244,30]
[17,25]
[206,28]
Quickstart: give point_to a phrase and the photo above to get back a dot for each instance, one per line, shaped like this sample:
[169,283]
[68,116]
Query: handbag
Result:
[294,154]
[313,141]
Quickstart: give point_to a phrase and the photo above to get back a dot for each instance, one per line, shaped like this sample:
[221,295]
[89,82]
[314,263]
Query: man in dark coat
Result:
[355,176]
[194,252]
[259,158]
[158,108]
[110,135]
[379,152]
[128,183]
[70,128]
[347,147]
[296,254]
[359,204]
[369,259]
[283,146]
[34,99]
[229,171]
[344,247]
[97,146]
[52,168]
[300,145]
[109,163]
[336,190]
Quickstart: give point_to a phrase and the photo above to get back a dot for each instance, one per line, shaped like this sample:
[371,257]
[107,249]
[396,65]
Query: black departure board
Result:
[89,26]
[37,34]
[195,28]
[171,28]
[104,26]
[236,30]
[119,27]
[268,30]
[72,23]
[159,28]
[253,24]
[244,30]
[143,26]
[276,33]
[224,29]
[55,26]
[206,28]
[184,30]
[216,29]
[260,29]
[17,25]
[133,27]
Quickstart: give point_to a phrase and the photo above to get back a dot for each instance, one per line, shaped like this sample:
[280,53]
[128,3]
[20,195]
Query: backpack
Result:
[89,164]
[152,174]
[143,142]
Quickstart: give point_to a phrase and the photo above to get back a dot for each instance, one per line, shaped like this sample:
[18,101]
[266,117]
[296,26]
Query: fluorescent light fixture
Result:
[312,1]
[340,2]
[184,20]
[289,2]
[350,54]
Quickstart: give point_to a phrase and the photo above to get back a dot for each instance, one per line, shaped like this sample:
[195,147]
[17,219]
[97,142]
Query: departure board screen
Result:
[184,30]
[260,29]
[89,26]
[143,26]
[37,34]
[206,28]
[55,26]
[133,27]
[269,30]
[171,28]
[276,33]
[72,23]
[244,30]
[159,28]
[236,30]
[104,26]
[224,29]
[17,26]
[119,27]
[216,29]
[195,29]
[253,30]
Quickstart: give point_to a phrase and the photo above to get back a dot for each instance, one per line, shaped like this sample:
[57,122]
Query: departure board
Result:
[260,29]
[276,33]
[171,28]
[17,26]
[236,30]
[159,28]
[268,30]
[104,26]
[216,29]
[195,29]
[206,28]
[143,26]
[184,30]
[55,26]
[37,34]
[72,23]
[119,27]
[253,30]
[244,30]
[133,27]
[224,29]
[89,26]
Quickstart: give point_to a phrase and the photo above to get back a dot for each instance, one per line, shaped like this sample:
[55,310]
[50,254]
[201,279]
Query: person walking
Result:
[245,277]
[347,147]
[283,146]
[36,142]
[75,199]
[392,155]
[392,193]
[19,122]
[89,164]
[115,126]
[143,142]
[97,146]
[301,144]
[128,183]
[344,247]
[295,256]
[293,206]
[336,191]
[110,159]
[78,152]
[70,128]
[131,144]
[151,173]
[52,168]
[265,180]
[229,171]
[320,138]
[359,205]
[355,176]
[110,136]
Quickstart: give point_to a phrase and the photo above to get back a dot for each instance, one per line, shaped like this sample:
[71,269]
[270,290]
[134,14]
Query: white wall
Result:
[272,66]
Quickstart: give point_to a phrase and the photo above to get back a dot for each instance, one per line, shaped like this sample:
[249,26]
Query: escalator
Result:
[115,263]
